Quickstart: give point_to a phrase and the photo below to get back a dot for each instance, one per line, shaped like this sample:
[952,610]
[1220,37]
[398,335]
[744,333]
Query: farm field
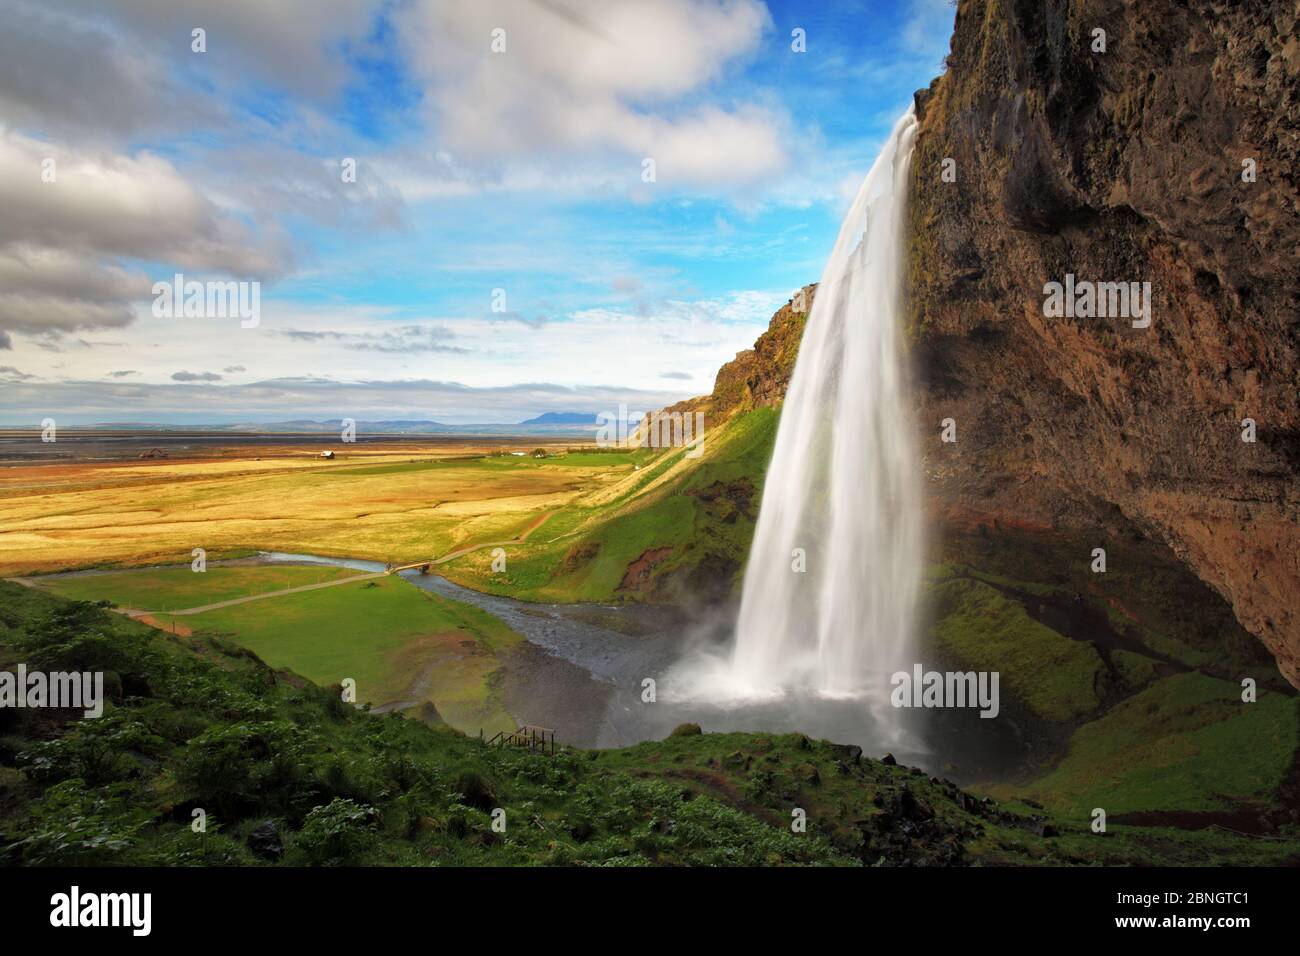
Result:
[577,525]
[380,504]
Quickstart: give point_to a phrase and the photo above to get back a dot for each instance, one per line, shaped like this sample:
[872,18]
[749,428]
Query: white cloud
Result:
[61,241]
[292,44]
[343,346]
[615,77]
[109,203]
[62,74]
[89,402]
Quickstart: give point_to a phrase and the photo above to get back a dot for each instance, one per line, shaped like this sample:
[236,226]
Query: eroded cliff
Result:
[1168,157]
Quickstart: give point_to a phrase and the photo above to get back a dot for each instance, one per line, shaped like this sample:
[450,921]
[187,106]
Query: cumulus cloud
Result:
[43,289]
[617,76]
[61,240]
[77,204]
[114,204]
[291,44]
[66,75]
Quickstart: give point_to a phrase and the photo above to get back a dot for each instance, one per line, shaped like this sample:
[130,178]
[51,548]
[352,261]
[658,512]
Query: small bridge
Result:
[423,567]
[534,739]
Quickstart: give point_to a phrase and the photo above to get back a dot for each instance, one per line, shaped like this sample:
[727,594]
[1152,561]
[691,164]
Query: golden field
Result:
[398,503]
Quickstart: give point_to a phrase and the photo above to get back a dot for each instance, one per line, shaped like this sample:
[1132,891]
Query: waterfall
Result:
[843,485]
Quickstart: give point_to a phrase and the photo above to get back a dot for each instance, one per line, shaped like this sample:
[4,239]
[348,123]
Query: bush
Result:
[76,825]
[686,730]
[95,751]
[334,834]
[475,790]
[239,767]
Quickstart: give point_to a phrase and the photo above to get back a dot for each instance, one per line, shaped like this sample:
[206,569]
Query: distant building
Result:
[327,454]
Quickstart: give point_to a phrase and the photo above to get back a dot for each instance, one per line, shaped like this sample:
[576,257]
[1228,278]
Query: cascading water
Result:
[843,485]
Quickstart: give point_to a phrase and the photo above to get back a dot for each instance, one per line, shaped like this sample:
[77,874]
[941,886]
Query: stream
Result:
[583,670]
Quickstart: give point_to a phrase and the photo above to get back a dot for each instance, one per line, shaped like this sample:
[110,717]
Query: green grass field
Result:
[397,642]
[1154,740]
[202,725]
[170,589]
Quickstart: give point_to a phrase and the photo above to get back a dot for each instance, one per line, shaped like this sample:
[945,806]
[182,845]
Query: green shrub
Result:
[97,751]
[334,834]
[475,789]
[72,824]
[233,769]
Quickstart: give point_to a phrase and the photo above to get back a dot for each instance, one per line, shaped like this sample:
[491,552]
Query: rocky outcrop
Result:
[757,377]
[1171,157]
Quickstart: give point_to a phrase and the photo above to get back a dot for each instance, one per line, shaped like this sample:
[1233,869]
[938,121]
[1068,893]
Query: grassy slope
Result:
[1053,675]
[193,725]
[663,500]
[1144,591]
[1187,743]
[386,635]
[1178,742]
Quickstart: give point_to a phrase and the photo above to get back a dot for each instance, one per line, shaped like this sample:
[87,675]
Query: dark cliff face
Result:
[1125,166]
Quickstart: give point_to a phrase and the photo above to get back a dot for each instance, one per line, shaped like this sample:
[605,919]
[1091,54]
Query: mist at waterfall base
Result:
[813,649]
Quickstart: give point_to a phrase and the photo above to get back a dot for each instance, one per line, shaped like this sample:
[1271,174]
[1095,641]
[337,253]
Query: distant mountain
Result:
[553,423]
[562,418]
[400,426]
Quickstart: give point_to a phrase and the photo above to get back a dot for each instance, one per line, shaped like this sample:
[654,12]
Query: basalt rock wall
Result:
[1122,164]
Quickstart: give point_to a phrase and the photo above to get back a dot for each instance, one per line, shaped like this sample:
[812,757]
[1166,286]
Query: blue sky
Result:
[510,176]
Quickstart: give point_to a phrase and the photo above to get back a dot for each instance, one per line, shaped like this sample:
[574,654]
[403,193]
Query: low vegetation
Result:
[1057,678]
[282,772]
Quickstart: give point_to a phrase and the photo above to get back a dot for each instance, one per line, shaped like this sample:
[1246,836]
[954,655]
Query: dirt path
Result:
[270,594]
[147,616]
[144,617]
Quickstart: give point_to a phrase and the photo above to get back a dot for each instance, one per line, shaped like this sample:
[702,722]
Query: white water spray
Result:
[843,484]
